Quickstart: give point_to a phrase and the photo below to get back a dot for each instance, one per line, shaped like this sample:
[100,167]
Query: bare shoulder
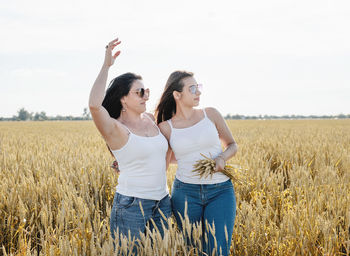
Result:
[165,129]
[164,126]
[213,114]
[151,116]
[221,125]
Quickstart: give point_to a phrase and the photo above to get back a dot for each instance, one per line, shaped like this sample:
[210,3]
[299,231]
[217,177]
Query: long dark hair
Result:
[117,89]
[167,106]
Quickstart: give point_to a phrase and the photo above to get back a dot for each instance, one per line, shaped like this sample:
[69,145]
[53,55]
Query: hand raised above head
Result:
[109,57]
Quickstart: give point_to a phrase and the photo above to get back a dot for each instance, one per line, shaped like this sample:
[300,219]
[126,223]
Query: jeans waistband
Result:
[144,199]
[208,186]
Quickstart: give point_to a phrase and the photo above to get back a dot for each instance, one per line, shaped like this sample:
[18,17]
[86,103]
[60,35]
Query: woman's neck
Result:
[130,117]
[183,112]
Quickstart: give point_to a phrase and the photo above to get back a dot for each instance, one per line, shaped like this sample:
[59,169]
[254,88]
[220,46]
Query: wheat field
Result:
[56,191]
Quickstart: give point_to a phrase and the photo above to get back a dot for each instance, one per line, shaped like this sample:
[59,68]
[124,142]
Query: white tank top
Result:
[187,145]
[142,164]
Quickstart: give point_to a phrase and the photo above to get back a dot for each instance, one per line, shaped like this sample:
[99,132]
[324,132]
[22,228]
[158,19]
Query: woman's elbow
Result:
[93,107]
[234,146]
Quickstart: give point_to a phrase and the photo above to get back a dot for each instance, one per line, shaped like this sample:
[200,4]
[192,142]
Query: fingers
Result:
[219,164]
[116,54]
[113,43]
[216,165]
[115,165]
[109,56]
[115,40]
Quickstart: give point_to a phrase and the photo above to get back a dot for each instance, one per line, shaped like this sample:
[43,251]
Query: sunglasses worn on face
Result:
[141,92]
[196,87]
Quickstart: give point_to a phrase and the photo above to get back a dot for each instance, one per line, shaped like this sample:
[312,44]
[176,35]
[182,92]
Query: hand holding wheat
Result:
[206,167]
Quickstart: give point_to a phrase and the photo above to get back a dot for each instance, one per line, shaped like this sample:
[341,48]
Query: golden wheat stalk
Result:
[206,167]
[58,199]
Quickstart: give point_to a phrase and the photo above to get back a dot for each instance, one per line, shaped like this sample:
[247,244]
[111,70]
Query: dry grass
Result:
[56,190]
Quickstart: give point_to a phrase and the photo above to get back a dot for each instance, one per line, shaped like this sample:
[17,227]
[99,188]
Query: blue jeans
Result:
[214,203]
[127,215]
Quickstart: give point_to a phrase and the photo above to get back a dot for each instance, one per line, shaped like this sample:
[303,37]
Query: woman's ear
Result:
[122,101]
[176,95]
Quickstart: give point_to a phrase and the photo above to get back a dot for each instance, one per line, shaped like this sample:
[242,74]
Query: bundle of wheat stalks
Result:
[206,167]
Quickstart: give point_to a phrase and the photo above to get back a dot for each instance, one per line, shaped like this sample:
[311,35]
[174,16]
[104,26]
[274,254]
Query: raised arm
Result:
[226,137]
[104,123]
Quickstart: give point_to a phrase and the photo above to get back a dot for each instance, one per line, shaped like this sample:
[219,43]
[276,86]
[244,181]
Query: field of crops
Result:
[56,190]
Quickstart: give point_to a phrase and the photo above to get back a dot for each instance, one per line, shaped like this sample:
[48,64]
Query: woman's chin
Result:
[143,108]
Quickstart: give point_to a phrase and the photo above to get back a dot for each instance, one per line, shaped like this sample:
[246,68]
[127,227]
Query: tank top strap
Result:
[170,124]
[126,128]
[205,113]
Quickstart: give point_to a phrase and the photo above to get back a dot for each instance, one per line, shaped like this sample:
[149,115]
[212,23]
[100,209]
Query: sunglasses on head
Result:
[195,87]
[141,92]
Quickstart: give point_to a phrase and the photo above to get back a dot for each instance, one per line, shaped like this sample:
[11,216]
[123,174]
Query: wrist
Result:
[222,157]
[105,67]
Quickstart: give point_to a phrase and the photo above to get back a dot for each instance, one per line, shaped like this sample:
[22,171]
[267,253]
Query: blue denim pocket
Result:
[124,202]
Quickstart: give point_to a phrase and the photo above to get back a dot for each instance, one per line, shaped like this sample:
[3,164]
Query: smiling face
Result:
[190,95]
[136,98]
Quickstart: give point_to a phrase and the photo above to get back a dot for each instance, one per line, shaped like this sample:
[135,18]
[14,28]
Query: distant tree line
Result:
[24,115]
[340,116]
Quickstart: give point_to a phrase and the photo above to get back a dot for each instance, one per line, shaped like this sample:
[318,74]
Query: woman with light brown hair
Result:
[190,133]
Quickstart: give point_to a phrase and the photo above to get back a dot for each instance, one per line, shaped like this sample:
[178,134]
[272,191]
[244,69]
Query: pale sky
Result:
[253,57]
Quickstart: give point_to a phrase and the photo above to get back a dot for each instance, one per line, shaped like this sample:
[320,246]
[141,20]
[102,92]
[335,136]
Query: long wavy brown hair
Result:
[167,106]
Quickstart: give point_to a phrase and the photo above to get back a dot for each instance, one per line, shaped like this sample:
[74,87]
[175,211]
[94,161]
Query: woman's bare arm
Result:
[226,137]
[104,123]
[166,131]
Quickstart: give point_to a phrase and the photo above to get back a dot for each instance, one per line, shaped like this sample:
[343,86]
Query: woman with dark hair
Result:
[192,132]
[139,147]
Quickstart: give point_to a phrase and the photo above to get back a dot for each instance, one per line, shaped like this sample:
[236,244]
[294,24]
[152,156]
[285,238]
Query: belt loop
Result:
[156,206]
